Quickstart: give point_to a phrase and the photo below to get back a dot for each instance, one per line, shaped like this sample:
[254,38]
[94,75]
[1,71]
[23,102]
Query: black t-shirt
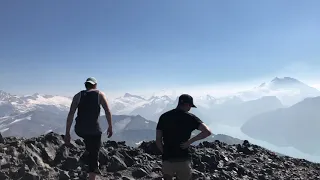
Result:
[177,126]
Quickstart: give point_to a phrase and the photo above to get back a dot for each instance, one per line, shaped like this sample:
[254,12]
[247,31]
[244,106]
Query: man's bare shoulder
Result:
[102,94]
[103,100]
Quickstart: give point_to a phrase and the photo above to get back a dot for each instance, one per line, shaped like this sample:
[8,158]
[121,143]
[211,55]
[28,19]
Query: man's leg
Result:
[184,170]
[93,146]
[84,156]
[167,170]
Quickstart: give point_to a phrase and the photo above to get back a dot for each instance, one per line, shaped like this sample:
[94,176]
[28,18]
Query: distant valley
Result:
[296,126]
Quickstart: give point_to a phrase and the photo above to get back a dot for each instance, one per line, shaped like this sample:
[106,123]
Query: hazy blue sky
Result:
[53,46]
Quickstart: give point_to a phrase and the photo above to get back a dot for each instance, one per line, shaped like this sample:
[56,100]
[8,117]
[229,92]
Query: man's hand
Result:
[109,131]
[67,138]
[205,132]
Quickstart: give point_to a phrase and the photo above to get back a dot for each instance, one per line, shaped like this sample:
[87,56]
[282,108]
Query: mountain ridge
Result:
[129,103]
[290,126]
[151,108]
[289,90]
[47,110]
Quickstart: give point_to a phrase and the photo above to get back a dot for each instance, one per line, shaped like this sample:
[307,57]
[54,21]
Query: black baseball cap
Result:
[186,98]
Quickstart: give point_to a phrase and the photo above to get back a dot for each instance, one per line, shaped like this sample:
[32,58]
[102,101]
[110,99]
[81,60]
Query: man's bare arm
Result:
[205,132]
[159,140]
[105,106]
[71,113]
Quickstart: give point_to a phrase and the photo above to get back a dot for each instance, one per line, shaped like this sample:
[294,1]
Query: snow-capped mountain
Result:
[9,104]
[18,104]
[287,89]
[126,104]
[60,102]
[152,107]
[205,101]
[35,111]
[34,122]
[130,104]
[33,115]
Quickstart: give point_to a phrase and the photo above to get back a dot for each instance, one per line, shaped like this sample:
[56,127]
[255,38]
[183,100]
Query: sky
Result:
[51,47]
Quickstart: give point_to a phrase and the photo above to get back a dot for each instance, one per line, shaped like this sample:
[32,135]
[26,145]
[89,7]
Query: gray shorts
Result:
[182,169]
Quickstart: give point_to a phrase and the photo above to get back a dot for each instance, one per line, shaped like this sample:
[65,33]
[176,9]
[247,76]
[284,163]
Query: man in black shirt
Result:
[173,138]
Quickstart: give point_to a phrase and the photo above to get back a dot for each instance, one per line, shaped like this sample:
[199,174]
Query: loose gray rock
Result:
[46,157]
[139,173]
[1,139]
[63,175]
[116,164]
[31,176]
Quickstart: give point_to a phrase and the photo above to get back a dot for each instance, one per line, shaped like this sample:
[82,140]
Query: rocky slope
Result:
[46,157]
